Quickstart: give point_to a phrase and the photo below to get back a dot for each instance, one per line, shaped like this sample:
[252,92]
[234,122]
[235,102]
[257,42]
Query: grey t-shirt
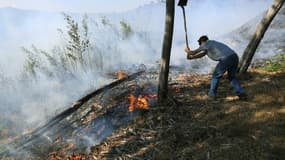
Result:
[216,50]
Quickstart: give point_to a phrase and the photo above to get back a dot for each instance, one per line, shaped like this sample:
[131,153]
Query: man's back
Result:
[216,50]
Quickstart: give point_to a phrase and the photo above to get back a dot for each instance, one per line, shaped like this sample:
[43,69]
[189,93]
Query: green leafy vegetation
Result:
[127,31]
[77,53]
[276,63]
[105,21]
[66,59]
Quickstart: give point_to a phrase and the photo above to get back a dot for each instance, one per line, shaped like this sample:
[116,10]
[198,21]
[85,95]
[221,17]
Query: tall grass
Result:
[78,53]
[67,59]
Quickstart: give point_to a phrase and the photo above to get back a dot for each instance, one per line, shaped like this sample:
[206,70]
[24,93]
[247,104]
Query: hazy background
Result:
[74,5]
[31,22]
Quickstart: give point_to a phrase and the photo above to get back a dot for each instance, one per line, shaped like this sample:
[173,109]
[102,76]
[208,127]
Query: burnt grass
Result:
[189,126]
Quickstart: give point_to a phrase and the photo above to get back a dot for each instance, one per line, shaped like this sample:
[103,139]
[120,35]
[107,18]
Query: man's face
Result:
[199,42]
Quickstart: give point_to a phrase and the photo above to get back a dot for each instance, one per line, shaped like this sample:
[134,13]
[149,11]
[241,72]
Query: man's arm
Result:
[194,54]
[197,55]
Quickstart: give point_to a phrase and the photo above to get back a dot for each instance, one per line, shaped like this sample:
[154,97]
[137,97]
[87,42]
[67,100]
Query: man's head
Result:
[202,39]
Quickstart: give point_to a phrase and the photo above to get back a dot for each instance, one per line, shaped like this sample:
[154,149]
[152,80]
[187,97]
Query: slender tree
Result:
[166,51]
[258,35]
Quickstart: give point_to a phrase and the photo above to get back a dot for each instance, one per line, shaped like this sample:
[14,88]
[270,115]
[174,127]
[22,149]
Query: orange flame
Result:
[121,74]
[76,157]
[132,99]
[142,102]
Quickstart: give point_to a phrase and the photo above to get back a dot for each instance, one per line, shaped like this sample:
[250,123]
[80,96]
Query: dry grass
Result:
[194,128]
[191,127]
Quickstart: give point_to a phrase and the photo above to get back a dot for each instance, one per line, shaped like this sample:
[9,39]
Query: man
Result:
[228,61]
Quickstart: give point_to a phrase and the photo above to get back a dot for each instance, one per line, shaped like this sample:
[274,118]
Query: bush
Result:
[276,63]
[63,60]
[126,30]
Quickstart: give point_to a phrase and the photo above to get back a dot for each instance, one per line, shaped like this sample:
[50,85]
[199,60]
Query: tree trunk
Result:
[258,35]
[166,51]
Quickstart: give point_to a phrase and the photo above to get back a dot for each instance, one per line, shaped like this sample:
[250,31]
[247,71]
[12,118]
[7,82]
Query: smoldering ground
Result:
[119,41]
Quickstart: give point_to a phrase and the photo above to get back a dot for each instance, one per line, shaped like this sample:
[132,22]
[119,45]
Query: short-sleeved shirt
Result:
[216,50]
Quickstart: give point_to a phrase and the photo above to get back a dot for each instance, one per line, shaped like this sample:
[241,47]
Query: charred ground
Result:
[189,126]
[194,128]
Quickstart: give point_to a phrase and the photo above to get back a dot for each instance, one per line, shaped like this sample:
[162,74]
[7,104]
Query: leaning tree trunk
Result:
[258,35]
[166,51]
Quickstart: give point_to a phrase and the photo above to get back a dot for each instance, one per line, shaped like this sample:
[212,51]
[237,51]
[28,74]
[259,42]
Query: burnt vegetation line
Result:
[62,63]
[37,133]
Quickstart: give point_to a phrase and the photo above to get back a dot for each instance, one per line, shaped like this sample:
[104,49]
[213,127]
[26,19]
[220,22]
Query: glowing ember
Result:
[76,157]
[141,102]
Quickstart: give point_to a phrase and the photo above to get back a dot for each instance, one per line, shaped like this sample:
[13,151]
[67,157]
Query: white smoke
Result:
[215,19]
[41,99]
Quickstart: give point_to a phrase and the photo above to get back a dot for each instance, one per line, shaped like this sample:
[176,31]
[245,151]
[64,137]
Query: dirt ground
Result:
[191,127]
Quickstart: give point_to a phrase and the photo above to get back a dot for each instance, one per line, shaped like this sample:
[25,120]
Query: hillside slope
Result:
[189,126]
[193,128]
[273,42]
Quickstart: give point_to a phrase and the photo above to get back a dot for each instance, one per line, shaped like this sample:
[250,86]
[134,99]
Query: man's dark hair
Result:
[203,39]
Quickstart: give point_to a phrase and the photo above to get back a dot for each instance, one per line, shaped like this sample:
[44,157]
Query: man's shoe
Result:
[211,98]
[243,96]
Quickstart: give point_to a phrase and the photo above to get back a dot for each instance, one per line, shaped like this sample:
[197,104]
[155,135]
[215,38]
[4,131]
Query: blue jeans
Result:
[229,64]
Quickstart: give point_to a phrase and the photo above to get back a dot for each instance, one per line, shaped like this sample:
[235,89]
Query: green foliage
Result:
[32,61]
[126,30]
[65,59]
[77,43]
[277,63]
[76,53]
[105,21]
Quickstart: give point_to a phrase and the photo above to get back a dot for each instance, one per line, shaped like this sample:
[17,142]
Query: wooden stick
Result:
[185,27]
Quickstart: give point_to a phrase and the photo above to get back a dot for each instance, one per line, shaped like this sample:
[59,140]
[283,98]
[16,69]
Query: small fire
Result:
[141,102]
[121,74]
[76,157]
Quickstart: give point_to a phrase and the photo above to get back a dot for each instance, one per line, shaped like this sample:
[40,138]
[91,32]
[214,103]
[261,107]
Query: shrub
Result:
[65,59]
[276,63]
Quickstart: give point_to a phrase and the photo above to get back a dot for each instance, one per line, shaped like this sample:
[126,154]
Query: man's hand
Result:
[187,50]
